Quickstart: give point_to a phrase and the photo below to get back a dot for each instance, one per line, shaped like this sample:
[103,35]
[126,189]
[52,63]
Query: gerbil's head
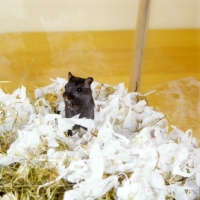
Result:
[78,89]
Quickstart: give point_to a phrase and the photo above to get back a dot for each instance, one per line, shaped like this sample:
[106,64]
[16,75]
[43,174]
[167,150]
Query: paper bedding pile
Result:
[126,153]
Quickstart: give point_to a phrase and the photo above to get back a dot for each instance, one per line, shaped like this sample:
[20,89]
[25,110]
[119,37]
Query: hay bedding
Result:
[126,153]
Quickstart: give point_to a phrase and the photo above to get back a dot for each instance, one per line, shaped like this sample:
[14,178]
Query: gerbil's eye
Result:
[79,89]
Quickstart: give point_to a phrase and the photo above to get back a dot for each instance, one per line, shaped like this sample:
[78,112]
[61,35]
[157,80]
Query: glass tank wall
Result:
[49,38]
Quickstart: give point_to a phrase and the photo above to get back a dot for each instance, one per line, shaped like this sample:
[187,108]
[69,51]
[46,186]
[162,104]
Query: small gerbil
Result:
[78,97]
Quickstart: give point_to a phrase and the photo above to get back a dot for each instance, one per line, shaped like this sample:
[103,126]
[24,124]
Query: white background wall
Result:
[70,15]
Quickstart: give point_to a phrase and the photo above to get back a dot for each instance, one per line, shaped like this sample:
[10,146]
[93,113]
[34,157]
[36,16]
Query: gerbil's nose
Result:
[65,96]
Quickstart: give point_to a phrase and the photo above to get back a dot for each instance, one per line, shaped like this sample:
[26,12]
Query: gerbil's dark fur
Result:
[78,97]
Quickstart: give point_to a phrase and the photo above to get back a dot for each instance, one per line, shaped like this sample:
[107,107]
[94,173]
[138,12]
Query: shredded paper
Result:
[126,153]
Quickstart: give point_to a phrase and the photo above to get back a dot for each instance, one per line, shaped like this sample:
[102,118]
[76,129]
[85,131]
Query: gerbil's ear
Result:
[88,82]
[69,75]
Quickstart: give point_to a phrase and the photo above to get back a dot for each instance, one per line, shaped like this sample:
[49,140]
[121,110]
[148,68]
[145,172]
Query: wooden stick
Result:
[140,34]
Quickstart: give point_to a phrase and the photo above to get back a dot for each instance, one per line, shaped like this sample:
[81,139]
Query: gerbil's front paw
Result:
[72,106]
[69,133]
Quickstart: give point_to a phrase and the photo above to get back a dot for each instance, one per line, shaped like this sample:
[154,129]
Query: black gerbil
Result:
[78,97]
